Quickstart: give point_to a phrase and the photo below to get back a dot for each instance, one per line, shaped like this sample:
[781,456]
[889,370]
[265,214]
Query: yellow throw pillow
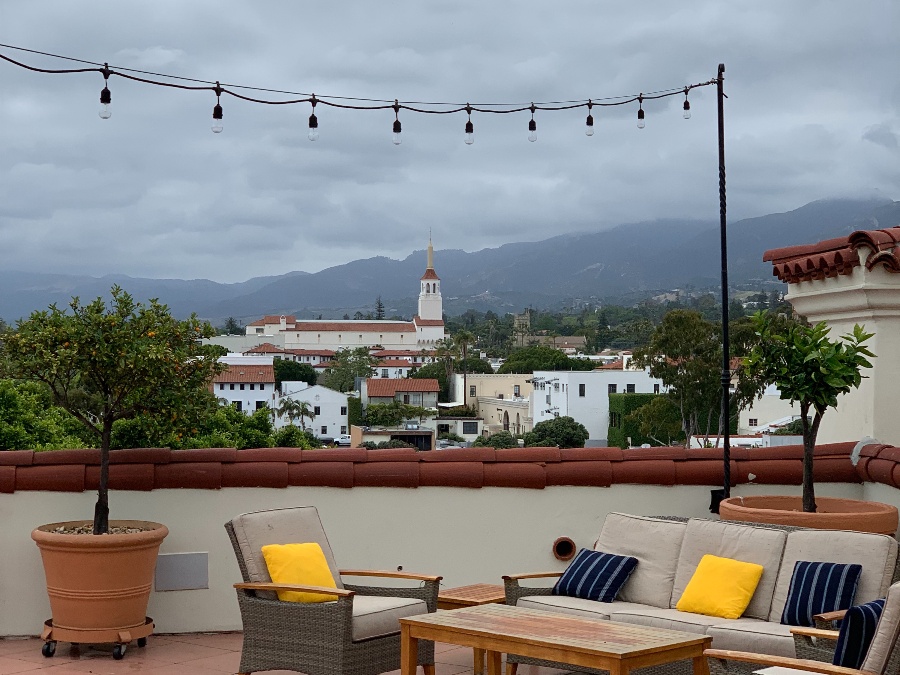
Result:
[302,564]
[720,587]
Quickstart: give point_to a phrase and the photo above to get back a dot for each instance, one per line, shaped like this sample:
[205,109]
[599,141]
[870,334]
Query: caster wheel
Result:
[49,648]
[119,652]
[142,642]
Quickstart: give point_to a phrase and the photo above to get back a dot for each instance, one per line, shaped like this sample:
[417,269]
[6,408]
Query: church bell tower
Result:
[431,306]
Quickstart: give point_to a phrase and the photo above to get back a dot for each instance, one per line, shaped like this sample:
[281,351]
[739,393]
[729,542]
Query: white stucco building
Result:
[248,384]
[329,408]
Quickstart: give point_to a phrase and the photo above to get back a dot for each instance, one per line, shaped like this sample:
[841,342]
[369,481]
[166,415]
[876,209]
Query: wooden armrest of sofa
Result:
[532,575]
[783,661]
[389,574]
[269,586]
[815,632]
[837,615]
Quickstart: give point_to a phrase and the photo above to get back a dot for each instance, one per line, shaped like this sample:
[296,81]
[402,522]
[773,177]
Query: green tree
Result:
[379,309]
[438,372]
[104,364]
[29,420]
[659,420]
[394,414]
[291,371]
[292,437]
[462,341]
[298,410]
[562,431]
[231,327]
[501,439]
[346,366]
[809,369]
[541,357]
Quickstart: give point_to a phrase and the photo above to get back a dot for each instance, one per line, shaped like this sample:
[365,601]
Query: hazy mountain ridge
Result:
[625,263]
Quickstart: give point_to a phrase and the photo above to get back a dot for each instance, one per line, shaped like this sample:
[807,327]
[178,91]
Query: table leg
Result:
[493,662]
[409,652]
[479,661]
[701,665]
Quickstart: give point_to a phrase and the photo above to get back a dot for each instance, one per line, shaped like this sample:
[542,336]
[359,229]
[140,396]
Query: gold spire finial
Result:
[430,252]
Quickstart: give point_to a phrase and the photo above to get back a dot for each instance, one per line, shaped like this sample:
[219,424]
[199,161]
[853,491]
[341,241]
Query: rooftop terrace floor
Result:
[181,654]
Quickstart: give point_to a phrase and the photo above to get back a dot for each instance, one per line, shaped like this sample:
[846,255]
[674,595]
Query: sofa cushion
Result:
[886,634]
[760,545]
[877,554]
[302,565]
[375,615]
[563,604]
[818,588]
[753,635]
[593,575]
[720,587]
[857,630]
[670,619]
[656,544]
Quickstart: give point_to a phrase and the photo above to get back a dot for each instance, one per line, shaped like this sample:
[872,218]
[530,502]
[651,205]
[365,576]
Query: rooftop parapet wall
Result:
[532,468]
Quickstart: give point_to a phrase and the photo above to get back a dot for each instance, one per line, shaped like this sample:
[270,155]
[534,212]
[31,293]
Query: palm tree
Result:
[462,340]
[295,410]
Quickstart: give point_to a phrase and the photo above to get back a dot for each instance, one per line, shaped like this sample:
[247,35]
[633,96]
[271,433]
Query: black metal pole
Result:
[726,355]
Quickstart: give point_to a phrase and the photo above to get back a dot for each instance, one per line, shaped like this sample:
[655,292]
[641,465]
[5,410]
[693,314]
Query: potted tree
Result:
[105,364]
[812,371]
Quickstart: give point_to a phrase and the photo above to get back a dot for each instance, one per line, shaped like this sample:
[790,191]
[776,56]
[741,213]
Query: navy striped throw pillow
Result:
[818,587]
[857,630]
[593,575]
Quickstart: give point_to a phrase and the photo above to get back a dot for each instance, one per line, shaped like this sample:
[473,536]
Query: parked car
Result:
[343,439]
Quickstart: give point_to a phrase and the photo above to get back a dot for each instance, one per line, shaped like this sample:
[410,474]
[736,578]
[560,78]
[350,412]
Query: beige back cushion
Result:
[763,546]
[877,553]
[886,635]
[298,525]
[655,543]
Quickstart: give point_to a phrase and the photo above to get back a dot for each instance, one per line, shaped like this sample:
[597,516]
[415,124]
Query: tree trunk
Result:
[101,508]
[810,432]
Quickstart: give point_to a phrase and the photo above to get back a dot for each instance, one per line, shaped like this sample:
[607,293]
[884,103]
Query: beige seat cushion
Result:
[753,635]
[760,545]
[655,543]
[886,635]
[375,615]
[670,619]
[877,554]
[563,604]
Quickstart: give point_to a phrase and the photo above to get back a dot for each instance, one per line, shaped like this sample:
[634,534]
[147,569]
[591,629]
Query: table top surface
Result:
[520,624]
[476,593]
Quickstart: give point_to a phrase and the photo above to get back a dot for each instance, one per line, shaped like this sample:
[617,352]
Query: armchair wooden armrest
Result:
[785,662]
[532,575]
[815,632]
[269,586]
[390,574]
[837,615]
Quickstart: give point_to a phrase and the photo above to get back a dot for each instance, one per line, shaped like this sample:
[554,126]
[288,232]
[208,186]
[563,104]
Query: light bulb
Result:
[313,127]
[532,131]
[641,123]
[105,104]
[589,126]
[470,133]
[397,129]
[687,110]
[217,119]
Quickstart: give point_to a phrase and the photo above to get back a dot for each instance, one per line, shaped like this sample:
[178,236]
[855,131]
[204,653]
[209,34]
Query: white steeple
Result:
[431,306]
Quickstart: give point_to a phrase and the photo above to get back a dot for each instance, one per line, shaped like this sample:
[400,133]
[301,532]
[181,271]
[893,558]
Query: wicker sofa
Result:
[668,551]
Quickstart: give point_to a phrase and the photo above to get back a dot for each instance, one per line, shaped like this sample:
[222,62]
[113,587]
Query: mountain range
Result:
[624,264]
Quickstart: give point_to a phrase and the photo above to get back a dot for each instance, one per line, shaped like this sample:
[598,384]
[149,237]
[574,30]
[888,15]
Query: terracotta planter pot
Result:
[833,513]
[102,582]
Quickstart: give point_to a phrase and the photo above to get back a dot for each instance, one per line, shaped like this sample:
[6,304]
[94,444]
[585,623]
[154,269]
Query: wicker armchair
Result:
[359,634]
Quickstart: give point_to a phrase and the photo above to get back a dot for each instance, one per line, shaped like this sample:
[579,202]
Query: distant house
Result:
[422,393]
[248,384]
[392,368]
[329,408]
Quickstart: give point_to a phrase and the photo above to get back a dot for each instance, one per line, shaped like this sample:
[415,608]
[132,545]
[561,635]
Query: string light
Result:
[470,128]
[105,95]
[313,121]
[532,126]
[217,112]
[346,102]
[397,128]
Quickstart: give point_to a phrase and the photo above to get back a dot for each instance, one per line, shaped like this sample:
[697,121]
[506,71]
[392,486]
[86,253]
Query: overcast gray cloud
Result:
[813,112]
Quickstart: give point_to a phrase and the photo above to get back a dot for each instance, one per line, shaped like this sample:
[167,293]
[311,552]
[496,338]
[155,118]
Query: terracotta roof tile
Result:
[430,274]
[834,257]
[309,352]
[393,363]
[355,326]
[273,318]
[265,348]
[387,353]
[388,387]
[427,322]
[247,373]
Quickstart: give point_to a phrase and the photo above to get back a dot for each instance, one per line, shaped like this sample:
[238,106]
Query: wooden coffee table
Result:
[594,643]
[472,596]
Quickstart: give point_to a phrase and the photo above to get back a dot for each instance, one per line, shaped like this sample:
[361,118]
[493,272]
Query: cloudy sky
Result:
[813,112]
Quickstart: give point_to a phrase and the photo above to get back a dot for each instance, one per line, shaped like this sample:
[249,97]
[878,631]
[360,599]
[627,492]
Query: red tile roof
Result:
[355,326]
[273,318]
[427,322]
[247,373]
[383,353]
[612,365]
[834,257]
[309,352]
[394,363]
[265,348]
[387,388]
[430,274]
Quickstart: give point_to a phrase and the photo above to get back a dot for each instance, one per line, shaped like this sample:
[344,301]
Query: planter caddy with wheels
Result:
[130,361]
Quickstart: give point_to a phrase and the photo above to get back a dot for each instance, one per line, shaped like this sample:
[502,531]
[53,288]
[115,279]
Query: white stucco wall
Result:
[466,535]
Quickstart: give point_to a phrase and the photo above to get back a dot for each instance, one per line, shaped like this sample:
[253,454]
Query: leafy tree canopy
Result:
[501,439]
[562,431]
[346,366]
[541,357]
[438,372]
[395,413]
[291,371]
